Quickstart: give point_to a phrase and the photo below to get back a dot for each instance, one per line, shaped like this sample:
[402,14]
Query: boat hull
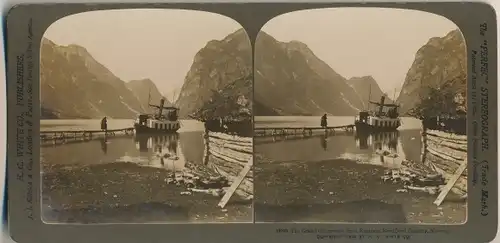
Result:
[141,129]
[367,128]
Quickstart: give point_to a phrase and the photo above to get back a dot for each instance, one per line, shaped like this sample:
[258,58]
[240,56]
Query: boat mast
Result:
[149,97]
[369,96]
[160,107]
[394,96]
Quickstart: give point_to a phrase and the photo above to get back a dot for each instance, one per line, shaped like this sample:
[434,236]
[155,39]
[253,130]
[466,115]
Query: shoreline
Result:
[129,193]
[341,190]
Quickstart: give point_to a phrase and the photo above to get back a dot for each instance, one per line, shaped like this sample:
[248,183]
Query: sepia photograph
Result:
[360,117]
[146,117]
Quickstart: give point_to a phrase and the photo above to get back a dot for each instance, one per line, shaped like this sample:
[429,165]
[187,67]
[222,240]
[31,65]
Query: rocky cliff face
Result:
[219,64]
[291,80]
[367,90]
[441,60]
[75,85]
[288,79]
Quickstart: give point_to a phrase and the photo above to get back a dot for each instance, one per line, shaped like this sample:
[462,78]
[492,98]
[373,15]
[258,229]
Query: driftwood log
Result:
[198,179]
[441,156]
[416,176]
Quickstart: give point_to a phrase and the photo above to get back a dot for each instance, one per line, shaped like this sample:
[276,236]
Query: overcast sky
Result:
[136,44]
[363,41]
[160,44]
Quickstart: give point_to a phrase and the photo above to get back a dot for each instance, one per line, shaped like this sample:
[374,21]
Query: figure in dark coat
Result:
[104,124]
[324,123]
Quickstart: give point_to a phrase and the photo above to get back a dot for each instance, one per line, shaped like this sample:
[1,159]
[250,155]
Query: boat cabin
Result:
[160,121]
[384,117]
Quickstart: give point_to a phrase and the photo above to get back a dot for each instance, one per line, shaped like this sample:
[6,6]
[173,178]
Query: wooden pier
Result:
[68,136]
[304,131]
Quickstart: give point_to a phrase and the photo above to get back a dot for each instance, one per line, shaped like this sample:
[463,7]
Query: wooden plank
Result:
[245,190]
[444,156]
[447,166]
[447,135]
[453,144]
[451,183]
[236,145]
[230,137]
[236,183]
[457,154]
[460,186]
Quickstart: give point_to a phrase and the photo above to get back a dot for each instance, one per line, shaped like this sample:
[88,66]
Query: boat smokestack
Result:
[162,104]
[381,108]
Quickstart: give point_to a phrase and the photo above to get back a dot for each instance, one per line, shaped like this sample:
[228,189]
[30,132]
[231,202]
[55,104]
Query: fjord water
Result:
[337,178]
[124,179]
[188,145]
[405,143]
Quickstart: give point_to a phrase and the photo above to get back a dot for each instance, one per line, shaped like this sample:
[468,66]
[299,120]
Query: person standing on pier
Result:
[324,122]
[104,124]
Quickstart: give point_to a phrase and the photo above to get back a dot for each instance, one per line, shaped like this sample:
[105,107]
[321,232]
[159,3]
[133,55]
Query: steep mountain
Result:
[146,92]
[367,89]
[442,60]
[75,85]
[291,80]
[217,65]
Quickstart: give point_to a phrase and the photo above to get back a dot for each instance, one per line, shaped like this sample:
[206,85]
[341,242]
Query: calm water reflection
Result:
[158,151]
[385,149]
[171,151]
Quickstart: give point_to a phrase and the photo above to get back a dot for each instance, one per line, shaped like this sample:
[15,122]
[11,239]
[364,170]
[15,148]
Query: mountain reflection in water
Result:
[160,151]
[168,151]
[386,149]
[383,148]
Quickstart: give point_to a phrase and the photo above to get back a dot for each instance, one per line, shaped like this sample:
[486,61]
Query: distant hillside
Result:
[291,80]
[367,88]
[440,60]
[75,85]
[216,66]
[145,91]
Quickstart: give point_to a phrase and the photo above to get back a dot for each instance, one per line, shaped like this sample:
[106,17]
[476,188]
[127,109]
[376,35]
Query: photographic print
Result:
[355,121]
[146,117]
[360,117]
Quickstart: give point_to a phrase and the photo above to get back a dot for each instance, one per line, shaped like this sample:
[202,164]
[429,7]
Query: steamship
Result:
[384,118]
[165,120]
